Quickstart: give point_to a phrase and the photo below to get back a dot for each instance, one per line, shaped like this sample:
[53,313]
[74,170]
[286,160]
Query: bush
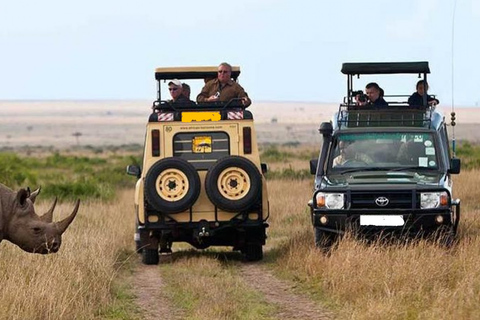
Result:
[68,177]
[288,174]
[469,154]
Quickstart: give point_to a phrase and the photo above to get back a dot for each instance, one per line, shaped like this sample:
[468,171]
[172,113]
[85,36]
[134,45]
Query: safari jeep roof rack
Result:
[169,111]
[181,73]
[352,69]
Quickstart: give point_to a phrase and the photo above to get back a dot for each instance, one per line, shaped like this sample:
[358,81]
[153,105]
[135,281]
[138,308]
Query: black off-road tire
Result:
[253,252]
[150,256]
[172,185]
[233,184]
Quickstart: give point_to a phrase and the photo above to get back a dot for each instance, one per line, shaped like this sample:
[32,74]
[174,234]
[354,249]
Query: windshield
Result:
[384,151]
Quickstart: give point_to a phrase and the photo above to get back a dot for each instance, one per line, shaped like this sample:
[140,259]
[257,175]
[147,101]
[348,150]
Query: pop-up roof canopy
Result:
[352,68]
[191,73]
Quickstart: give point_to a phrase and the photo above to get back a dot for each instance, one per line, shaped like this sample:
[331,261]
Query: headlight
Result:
[330,200]
[432,200]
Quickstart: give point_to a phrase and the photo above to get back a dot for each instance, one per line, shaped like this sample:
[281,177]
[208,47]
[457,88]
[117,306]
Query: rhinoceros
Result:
[20,224]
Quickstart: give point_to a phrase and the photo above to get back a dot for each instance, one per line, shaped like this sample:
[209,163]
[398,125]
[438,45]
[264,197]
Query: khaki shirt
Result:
[230,90]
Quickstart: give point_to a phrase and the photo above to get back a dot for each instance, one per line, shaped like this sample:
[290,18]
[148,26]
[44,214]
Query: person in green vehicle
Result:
[347,154]
[416,99]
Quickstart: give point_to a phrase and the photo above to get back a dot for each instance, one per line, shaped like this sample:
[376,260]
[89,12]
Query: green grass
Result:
[469,154]
[68,177]
[288,174]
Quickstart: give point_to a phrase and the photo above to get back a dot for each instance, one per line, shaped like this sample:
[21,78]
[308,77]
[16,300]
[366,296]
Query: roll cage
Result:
[352,69]
[182,73]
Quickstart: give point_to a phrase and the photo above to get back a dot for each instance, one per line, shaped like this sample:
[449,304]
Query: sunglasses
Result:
[173,89]
[223,71]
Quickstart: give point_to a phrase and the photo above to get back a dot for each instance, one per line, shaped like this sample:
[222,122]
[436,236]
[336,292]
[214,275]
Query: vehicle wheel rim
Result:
[172,185]
[233,183]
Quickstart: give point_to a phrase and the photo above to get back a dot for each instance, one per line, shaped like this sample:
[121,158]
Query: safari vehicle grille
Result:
[205,156]
[396,199]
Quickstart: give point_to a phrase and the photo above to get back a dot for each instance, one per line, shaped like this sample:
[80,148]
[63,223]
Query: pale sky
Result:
[287,50]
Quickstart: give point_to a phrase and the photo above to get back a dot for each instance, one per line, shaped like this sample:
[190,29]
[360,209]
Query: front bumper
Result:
[415,222]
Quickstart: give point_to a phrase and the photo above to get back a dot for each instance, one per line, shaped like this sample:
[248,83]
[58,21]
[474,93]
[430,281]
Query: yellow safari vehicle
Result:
[201,181]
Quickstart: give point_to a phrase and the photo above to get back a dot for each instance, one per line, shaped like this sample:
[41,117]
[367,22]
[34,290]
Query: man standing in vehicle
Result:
[223,88]
[375,96]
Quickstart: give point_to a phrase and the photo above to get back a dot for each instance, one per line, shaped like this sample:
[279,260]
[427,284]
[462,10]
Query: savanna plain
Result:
[98,275]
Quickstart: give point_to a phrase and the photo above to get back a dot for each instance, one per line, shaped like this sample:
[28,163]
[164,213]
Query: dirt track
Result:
[151,299]
[291,305]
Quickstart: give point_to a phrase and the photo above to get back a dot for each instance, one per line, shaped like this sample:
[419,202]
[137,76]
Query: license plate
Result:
[201,116]
[381,221]
[202,144]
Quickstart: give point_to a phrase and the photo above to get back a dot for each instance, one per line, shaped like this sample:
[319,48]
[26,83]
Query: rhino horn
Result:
[63,225]
[48,216]
[34,195]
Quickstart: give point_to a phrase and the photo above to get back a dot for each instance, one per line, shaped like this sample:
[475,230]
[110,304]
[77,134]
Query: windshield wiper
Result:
[412,168]
[362,169]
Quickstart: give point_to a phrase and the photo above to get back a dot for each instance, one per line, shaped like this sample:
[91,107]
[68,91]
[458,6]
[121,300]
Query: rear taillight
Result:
[247,140]
[155,143]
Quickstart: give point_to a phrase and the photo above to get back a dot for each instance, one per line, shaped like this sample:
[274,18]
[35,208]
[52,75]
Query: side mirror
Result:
[134,170]
[264,168]
[313,166]
[454,166]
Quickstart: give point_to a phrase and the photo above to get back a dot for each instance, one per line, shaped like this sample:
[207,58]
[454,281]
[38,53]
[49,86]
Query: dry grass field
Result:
[93,276]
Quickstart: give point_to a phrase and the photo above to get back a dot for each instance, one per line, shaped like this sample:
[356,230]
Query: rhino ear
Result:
[34,195]
[22,196]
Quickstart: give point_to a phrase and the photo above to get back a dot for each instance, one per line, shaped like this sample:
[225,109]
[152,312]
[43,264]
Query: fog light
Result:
[323,220]
[439,219]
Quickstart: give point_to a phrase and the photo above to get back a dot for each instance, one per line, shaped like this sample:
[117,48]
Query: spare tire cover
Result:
[233,184]
[172,185]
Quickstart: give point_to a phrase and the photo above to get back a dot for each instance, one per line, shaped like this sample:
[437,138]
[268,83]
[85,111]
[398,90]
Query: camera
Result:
[362,97]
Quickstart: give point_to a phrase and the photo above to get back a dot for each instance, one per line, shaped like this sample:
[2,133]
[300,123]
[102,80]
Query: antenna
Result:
[452,114]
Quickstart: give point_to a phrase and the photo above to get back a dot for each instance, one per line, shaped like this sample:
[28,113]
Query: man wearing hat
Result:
[176,89]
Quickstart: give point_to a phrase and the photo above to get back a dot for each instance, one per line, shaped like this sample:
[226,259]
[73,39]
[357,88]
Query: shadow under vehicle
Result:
[201,181]
[384,170]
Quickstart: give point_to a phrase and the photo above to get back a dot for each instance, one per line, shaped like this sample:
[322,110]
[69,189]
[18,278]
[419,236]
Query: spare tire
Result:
[172,185]
[233,184]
